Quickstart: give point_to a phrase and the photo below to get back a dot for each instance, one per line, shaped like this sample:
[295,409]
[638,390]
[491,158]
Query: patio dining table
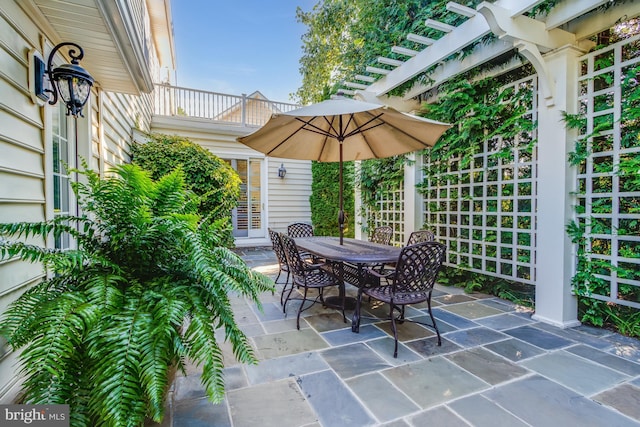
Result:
[351,257]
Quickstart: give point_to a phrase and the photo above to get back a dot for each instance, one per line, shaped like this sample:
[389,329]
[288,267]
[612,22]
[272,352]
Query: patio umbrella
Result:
[343,129]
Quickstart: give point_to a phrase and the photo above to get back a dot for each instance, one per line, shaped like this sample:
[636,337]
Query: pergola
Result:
[553,44]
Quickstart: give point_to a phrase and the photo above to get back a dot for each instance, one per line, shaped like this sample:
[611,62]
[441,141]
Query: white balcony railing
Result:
[217,107]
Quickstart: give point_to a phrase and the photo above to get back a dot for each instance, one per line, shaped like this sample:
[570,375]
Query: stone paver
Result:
[381,398]
[575,372]
[334,403]
[487,366]
[482,412]
[542,402]
[625,398]
[433,381]
[274,404]
[496,367]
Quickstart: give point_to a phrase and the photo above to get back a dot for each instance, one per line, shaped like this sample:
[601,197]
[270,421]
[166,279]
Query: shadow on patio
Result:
[496,366]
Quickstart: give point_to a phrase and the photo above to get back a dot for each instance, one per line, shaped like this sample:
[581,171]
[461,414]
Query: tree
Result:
[208,176]
[344,36]
[146,288]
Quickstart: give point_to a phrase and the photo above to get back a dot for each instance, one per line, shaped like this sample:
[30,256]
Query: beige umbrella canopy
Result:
[343,129]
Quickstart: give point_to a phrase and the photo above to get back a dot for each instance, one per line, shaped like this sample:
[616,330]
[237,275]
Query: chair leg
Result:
[284,306]
[433,321]
[304,299]
[394,329]
[355,320]
[284,288]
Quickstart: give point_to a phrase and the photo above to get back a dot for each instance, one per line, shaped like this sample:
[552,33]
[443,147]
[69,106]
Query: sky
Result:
[239,46]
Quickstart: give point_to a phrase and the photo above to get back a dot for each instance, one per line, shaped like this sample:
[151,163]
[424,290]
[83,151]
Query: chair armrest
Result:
[379,275]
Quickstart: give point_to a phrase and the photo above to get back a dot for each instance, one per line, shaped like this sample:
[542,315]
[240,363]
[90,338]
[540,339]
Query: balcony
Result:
[243,111]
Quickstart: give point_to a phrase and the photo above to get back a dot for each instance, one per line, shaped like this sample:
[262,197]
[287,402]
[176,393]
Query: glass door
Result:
[248,217]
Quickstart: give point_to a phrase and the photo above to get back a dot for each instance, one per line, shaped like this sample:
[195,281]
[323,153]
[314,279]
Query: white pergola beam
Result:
[345,92]
[480,55]
[367,79]
[523,28]
[404,51]
[588,25]
[355,85]
[460,9]
[427,41]
[518,7]
[389,61]
[440,26]
[565,12]
[466,33]
[377,70]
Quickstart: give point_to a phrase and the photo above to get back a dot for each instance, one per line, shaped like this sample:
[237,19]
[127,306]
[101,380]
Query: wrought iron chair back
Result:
[300,229]
[420,236]
[382,235]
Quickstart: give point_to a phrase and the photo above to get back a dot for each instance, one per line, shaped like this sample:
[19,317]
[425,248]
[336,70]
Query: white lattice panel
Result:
[607,201]
[390,204]
[485,211]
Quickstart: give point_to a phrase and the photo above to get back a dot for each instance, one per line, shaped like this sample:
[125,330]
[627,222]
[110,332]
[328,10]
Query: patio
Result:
[496,366]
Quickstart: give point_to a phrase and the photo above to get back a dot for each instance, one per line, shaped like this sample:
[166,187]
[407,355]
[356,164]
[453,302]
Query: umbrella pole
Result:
[341,199]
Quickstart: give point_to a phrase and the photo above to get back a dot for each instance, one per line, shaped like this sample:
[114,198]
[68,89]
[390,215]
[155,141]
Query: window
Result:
[63,154]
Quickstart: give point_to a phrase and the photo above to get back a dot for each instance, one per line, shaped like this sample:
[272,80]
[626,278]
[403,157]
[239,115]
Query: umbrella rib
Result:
[401,131]
[361,128]
[285,140]
[313,128]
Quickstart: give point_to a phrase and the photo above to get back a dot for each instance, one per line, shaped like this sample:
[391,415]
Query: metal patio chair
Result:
[411,282]
[421,236]
[276,243]
[307,276]
[300,229]
[382,235]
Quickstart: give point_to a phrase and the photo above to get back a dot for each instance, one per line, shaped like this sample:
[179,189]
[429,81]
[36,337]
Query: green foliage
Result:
[208,176]
[481,111]
[473,282]
[378,176]
[325,201]
[344,36]
[147,288]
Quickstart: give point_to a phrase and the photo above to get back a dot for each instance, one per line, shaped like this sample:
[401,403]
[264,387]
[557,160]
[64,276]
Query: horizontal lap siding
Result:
[22,194]
[289,197]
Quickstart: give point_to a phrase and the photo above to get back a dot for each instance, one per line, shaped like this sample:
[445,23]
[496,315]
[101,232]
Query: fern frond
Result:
[49,358]
[118,397]
[203,349]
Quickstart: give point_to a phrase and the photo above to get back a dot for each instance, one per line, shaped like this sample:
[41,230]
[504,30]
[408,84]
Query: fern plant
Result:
[146,289]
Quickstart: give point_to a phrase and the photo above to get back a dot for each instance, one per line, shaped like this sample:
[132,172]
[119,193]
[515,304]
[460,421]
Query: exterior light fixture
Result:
[69,81]
[282,171]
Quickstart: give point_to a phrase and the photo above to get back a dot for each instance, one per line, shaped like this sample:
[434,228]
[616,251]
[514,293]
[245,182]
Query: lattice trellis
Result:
[390,204]
[608,202]
[485,211]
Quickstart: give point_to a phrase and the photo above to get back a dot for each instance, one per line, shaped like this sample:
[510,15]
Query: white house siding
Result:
[113,118]
[103,136]
[287,200]
[22,192]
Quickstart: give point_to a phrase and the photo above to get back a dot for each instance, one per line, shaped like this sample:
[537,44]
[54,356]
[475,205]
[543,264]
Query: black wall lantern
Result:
[282,171]
[69,81]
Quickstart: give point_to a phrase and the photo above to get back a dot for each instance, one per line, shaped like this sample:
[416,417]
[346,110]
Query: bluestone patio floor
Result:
[496,367]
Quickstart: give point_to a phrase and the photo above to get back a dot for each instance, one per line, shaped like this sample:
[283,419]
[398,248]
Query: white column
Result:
[412,210]
[359,219]
[555,258]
